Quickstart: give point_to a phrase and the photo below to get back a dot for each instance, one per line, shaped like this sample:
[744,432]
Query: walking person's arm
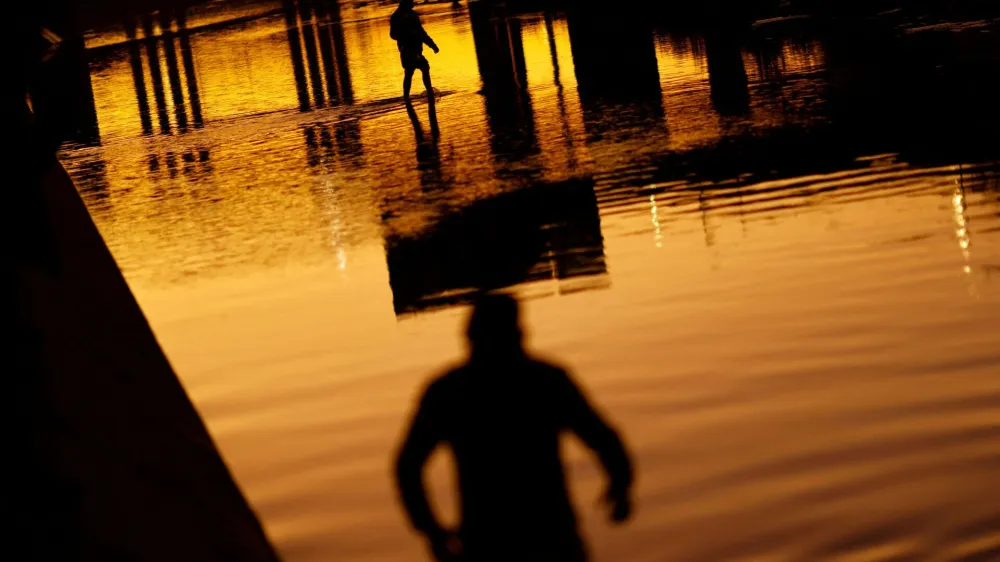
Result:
[600,437]
[428,41]
[422,438]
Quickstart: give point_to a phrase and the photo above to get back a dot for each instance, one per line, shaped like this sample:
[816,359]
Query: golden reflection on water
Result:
[279,139]
[655,218]
[245,80]
[759,342]
[961,226]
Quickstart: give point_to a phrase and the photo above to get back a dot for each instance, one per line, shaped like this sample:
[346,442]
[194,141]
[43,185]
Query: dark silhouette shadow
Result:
[502,414]
[546,232]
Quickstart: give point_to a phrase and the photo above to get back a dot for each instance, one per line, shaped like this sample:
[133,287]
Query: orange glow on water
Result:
[789,330]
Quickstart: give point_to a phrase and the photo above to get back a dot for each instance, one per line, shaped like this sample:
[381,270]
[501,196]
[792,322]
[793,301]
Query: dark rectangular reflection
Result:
[616,70]
[543,232]
[500,54]
[727,77]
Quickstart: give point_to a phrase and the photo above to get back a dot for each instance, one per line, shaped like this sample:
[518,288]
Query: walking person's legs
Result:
[426,73]
[407,82]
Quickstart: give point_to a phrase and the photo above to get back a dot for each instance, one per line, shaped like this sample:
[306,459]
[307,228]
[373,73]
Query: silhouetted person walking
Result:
[502,413]
[406,29]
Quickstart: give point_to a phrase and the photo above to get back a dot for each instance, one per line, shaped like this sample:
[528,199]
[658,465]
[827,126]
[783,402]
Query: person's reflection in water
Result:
[418,129]
[428,153]
[410,37]
[502,413]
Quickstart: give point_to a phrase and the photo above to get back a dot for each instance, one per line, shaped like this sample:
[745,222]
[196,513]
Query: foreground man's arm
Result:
[421,439]
[600,437]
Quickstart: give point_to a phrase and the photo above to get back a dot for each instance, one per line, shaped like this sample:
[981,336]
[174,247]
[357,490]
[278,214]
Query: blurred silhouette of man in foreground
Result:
[406,29]
[502,413]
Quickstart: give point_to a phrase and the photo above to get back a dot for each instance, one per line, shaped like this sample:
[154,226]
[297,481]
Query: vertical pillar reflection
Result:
[187,58]
[155,74]
[151,44]
[312,56]
[138,78]
[500,54]
[295,53]
[318,53]
[173,72]
[335,35]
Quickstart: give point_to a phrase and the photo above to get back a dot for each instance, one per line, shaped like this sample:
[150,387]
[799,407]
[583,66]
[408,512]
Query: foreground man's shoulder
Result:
[446,380]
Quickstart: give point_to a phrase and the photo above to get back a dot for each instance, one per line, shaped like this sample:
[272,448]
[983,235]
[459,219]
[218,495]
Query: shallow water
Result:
[779,273]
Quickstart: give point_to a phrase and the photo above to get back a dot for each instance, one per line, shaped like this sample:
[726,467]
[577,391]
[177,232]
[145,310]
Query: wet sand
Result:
[789,307]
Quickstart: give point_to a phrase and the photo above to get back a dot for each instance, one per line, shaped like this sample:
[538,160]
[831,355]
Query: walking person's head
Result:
[494,326]
[406,4]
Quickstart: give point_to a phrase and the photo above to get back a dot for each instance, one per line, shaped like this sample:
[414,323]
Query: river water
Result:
[771,254]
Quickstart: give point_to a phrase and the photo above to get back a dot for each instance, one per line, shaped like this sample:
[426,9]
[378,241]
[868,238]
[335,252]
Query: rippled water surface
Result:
[772,254]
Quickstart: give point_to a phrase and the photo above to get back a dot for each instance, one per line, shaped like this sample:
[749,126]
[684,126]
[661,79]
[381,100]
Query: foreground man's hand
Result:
[619,504]
[445,546]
